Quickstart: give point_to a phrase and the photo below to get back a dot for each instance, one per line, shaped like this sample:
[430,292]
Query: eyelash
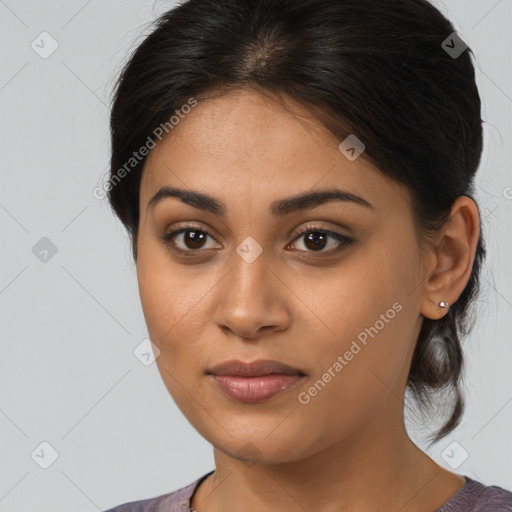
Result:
[166,239]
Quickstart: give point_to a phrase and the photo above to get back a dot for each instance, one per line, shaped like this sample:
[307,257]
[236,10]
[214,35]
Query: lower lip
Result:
[250,390]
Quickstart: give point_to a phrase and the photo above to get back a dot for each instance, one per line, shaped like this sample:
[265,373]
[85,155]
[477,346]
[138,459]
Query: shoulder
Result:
[474,496]
[493,499]
[176,501]
[157,504]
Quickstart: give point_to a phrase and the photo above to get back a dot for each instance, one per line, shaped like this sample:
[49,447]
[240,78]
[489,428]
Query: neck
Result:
[378,469]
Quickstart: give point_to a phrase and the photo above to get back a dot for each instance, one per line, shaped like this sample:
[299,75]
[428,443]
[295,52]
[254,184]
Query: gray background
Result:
[69,325]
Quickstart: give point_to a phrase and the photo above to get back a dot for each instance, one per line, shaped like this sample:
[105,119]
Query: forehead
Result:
[249,147]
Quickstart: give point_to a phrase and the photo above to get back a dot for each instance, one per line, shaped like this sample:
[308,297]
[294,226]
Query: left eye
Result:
[317,239]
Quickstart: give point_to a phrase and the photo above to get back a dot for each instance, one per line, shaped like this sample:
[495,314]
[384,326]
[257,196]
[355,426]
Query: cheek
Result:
[370,322]
[358,376]
[172,312]
[163,301]
[351,298]
[165,294]
[175,304]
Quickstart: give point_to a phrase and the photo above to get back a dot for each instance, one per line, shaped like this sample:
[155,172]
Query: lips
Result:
[254,369]
[256,381]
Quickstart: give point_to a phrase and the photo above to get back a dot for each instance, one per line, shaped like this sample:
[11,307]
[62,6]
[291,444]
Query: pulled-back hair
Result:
[378,69]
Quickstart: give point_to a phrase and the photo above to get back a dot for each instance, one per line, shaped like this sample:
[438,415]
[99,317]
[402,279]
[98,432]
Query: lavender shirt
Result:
[471,497]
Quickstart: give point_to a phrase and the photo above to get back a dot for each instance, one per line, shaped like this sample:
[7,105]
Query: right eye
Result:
[191,237]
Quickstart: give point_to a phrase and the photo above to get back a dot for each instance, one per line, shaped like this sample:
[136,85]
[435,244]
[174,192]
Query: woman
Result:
[297,178]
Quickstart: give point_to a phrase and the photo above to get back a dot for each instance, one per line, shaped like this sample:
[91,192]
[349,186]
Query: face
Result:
[339,302]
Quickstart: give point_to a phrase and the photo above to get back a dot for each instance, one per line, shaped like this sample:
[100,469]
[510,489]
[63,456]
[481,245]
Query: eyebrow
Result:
[278,208]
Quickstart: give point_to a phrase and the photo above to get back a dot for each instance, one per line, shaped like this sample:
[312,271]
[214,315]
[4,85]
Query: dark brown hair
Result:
[373,68]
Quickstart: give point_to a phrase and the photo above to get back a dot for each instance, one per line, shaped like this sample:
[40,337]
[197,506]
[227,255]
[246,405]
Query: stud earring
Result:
[442,304]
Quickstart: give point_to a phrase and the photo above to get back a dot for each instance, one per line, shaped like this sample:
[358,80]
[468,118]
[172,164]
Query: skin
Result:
[347,449]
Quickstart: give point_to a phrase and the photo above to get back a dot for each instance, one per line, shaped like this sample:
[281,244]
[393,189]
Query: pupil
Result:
[195,237]
[315,237]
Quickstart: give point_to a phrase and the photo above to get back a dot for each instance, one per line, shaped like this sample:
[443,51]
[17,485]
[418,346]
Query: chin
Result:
[258,443]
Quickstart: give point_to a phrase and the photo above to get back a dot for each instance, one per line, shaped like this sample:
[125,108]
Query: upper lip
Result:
[257,368]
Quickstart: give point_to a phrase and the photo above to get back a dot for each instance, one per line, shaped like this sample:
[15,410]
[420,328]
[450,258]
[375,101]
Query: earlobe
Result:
[442,307]
[454,256]
[442,304]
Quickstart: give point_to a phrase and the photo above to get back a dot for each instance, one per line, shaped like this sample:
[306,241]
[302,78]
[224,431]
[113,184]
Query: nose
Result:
[252,299]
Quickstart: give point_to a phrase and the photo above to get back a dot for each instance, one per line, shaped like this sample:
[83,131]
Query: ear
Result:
[452,253]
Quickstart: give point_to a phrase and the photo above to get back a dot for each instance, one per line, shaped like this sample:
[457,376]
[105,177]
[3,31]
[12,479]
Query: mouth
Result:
[256,381]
